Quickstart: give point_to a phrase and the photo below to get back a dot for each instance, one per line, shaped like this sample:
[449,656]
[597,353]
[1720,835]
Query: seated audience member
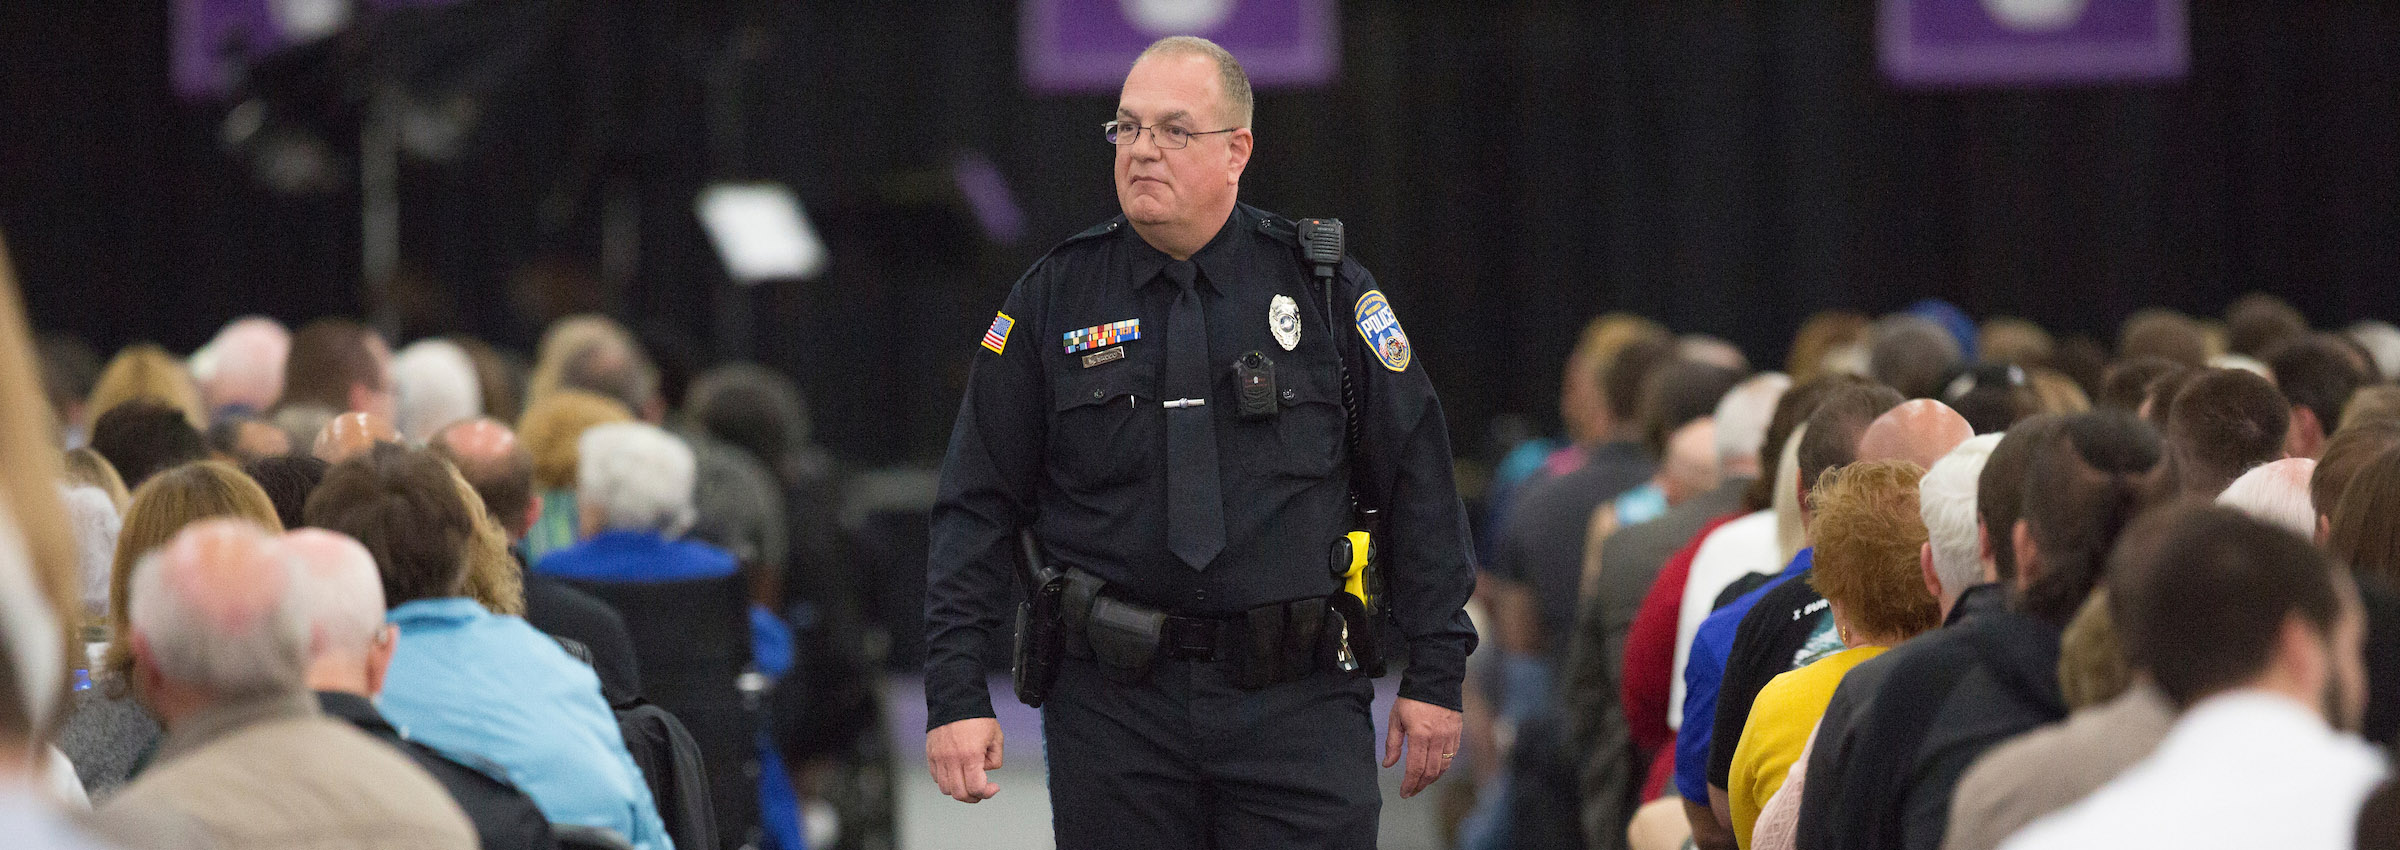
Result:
[1790,626]
[1869,545]
[86,467]
[1992,396]
[435,385]
[350,651]
[147,373]
[466,681]
[549,429]
[140,438]
[108,734]
[2221,423]
[1912,354]
[2382,343]
[2350,450]
[2374,403]
[242,438]
[1953,559]
[349,435]
[220,647]
[1829,439]
[2166,334]
[2014,341]
[1944,699]
[2257,323]
[500,470]
[69,369]
[288,480]
[240,371]
[95,523]
[1679,394]
[335,366]
[2255,637]
[2364,533]
[2276,493]
[2316,374]
[2126,385]
[683,601]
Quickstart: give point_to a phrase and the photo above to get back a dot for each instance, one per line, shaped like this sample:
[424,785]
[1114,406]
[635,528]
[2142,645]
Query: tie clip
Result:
[1173,404]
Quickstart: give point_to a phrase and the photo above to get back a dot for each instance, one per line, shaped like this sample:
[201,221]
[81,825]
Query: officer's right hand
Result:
[959,752]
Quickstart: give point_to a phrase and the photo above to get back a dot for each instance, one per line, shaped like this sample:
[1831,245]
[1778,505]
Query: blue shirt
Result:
[473,683]
[1704,670]
[637,556]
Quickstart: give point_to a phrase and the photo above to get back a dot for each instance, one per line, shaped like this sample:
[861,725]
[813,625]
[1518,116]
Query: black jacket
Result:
[504,818]
[562,611]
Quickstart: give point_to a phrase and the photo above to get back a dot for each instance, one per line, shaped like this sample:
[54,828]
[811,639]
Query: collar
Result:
[1215,259]
[453,609]
[355,709]
[1977,601]
[1801,562]
[215,722]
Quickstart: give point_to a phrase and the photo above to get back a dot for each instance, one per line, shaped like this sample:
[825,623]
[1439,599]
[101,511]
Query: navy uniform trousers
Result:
[1188,759]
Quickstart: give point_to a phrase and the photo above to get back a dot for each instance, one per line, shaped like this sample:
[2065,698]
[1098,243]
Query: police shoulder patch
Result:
[1381,329]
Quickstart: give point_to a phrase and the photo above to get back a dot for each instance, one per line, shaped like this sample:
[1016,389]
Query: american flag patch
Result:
[1103,335]
[996,337]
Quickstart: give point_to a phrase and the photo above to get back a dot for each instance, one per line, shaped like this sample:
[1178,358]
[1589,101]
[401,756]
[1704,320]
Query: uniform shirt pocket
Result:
[1306,434]
[1106,425]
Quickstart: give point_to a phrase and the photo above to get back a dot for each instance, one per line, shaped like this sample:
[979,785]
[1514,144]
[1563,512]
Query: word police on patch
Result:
[1381,329]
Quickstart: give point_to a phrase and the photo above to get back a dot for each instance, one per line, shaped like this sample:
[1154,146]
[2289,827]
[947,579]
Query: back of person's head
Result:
[635,477]
[615,367]
[437,385]
[1791,412]
[1992,396]
[1998,489]
[341,594]
[499,378]
[1919,431]
[217,610]
[241,369]
[2126,384]
[140,438]
[241,438]
[2382,343]
[1912,354]
[494,462]
[87,467]
[1946,504]
[2223,422]
[1826,336]
[146,372]
[1743,417]
[70,367]
[336,364]
[2256,323]
[2203,603]
[1627,376]
[403,505]
[165,505]
[552,425]
[2165,334]
[2276,493]
[2319,372]
[1679,392]
[1581,405]
[562,341]
[2372,403]
[1689,466]
[287,480]
[2054,392]
[95,522]
[2348,452]
[752,407]
[2365,531]
[2081,489]
[1868,538]
[2011,341]
[1840,419]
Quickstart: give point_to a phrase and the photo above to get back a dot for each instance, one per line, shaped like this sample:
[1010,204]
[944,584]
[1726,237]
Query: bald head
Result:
[1690,466]
[342,597]
[496,464]
[214,616]
[242,368]
[352,434]
[1919,431]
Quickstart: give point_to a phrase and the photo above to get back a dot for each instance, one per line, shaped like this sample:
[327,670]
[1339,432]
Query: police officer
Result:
[1103,412]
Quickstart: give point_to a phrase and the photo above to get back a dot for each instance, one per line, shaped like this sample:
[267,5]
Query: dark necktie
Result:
[1195,510]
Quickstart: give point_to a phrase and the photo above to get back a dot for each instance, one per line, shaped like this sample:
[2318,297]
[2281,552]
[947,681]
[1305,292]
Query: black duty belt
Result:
[1199,638]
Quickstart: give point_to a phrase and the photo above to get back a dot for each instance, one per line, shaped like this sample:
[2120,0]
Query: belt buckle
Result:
[1191,638]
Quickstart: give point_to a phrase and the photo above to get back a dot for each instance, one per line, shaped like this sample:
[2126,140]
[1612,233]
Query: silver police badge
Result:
[1283,317]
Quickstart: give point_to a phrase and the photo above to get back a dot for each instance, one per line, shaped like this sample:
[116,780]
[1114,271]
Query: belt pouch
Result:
[1124,638]
[1304,623]
[1262,646]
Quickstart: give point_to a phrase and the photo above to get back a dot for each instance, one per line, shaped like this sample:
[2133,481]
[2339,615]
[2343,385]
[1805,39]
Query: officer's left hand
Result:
[1430,733]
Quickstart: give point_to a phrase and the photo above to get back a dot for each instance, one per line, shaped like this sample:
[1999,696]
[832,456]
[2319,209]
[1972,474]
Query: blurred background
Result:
[1508,169]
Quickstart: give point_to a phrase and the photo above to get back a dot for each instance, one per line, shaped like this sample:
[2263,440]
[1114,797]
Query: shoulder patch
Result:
[1381,329]
[995,338]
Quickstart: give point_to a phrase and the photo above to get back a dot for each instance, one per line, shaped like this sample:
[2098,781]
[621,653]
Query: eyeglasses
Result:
[1166,136]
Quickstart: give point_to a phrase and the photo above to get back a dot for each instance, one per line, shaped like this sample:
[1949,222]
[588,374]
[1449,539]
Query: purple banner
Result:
[2031,42]
[1087,45]
[215,39]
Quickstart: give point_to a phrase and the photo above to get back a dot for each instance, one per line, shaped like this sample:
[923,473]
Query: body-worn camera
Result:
[1254,383]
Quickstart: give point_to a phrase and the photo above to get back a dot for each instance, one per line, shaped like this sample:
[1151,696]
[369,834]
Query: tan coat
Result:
[275,774]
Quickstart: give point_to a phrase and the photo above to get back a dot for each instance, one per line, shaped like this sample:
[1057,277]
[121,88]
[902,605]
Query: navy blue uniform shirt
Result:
[1073,444]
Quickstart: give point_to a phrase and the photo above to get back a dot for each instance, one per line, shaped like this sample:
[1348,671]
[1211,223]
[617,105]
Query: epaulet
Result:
[1096,231]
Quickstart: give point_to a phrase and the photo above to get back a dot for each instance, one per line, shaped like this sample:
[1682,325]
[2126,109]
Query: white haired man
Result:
[1955,557]
[435,385]
[241,369]
[2276,493]
[220,648]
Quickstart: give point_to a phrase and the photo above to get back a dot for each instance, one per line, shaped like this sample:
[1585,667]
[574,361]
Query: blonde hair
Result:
[29,475]
[146,372]
[161,507]
[87,467]
[493,575]
[1594,354]
[560,345]
[552,425]
[2056,393]
[1820,337]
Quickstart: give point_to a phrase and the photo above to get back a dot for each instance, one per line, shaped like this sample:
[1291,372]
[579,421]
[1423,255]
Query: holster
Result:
[1040,637]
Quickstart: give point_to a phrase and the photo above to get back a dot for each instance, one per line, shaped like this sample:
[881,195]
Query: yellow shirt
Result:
[1786,711]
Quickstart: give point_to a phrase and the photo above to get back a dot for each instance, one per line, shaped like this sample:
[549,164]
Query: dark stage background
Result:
[1508,169]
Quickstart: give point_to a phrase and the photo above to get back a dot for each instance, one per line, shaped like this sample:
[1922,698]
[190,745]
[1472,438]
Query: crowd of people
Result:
[1948,584]
[333,595]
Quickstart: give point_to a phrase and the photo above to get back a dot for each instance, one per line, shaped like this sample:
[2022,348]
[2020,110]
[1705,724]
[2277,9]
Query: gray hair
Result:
[341,591]
[2276,493]
[638,476]
[1230,76]
[1912,354]
[1946,502]
[1744,414]
[92,516]
[264,655]
[436,386]
[243,365]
